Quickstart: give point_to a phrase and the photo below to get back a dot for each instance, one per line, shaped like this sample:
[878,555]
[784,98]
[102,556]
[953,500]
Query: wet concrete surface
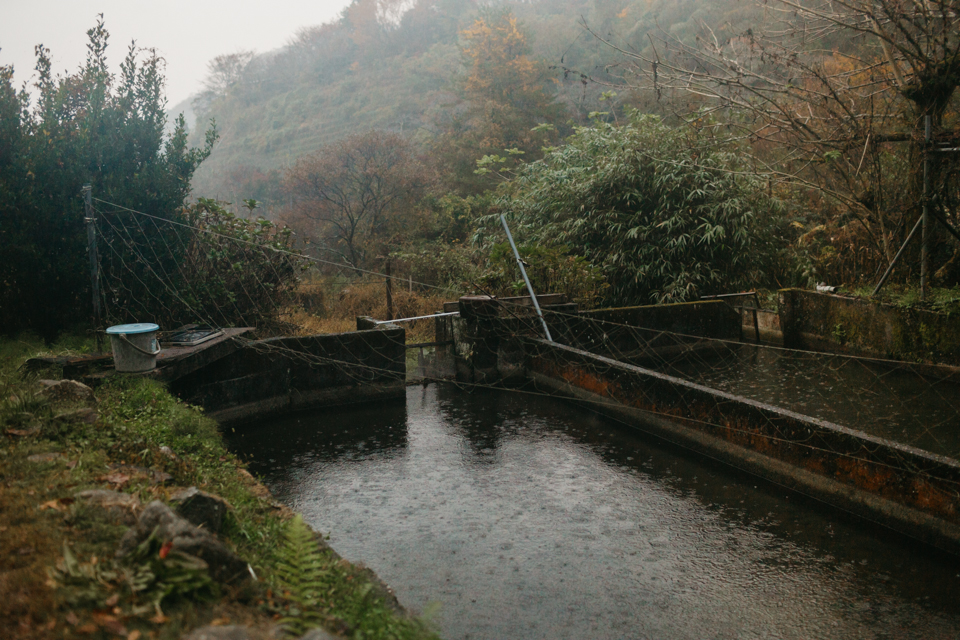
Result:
[885,400]
[523,517]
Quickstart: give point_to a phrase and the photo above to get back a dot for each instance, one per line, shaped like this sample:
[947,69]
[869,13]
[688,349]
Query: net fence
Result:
[228,272]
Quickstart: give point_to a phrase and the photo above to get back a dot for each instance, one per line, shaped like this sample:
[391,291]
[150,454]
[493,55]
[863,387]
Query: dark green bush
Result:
[667,213]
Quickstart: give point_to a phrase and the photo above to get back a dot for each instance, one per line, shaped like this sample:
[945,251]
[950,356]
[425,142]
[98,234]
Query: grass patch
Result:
[331,306]
[939,299]
[46,458]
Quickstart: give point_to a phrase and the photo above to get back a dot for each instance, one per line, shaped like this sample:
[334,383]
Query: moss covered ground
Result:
[48,455]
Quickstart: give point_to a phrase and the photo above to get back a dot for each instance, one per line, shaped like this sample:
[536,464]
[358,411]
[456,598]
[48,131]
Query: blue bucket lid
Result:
[139,327]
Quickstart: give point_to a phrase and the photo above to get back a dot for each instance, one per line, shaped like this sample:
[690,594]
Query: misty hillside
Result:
[375,69]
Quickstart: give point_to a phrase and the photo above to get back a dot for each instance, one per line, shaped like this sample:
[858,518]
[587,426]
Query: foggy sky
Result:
[187,33]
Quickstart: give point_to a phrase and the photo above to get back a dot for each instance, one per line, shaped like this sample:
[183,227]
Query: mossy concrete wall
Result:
[485,335]
[280,375]
[909,490]
[630,330]
[826,322]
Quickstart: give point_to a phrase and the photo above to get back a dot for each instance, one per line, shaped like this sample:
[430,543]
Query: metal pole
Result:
[386,272]
[94,262]
[893,263]
[533,296]
[925,234]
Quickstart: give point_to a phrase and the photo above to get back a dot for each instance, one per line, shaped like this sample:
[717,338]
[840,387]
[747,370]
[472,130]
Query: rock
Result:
[317,634]
[231,632]
[168,452]
[87,415]
[67,391]
[116,505]
[225,566]
[258,489]
[201,508]
[45,457]
[154,476]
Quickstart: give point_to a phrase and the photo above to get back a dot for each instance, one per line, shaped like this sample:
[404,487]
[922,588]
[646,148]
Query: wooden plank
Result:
[176,362]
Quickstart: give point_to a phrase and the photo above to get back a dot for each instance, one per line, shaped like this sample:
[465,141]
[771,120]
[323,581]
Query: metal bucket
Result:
[134,346]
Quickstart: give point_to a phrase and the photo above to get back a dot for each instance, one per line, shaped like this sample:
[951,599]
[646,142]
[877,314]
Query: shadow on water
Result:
[528,518]
[288,445]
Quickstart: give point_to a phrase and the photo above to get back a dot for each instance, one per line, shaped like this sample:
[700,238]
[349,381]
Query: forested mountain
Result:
[822,108]
[402,68]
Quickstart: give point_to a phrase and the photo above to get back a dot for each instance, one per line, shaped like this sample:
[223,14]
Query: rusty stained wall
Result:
[919,492]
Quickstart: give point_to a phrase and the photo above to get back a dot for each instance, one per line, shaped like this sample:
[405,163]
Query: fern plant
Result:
[301,574]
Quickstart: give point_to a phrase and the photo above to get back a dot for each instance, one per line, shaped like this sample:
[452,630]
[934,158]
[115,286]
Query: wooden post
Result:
[927,227]
[386,271]
[94,262]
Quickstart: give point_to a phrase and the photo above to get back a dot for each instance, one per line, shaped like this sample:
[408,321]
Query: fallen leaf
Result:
[115,627]
[118,479]
[134,635]
[112,600]
[219,622]
[71,464]
[52,504]
[66,500]
[159,619]
[87,628]
[71,617]
[165,549]
[22,433]
[25,551]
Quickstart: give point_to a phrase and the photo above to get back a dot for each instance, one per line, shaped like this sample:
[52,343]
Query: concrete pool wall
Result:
[908,490]
[904,488]
[281,375]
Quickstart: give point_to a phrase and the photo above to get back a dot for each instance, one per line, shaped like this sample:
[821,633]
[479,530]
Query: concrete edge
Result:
[304,400]
[904,520]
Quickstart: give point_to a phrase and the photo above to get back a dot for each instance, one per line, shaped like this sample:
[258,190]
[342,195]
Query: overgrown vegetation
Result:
[46,527]
[157,257]
[817,108]
[667,214]
[213,267]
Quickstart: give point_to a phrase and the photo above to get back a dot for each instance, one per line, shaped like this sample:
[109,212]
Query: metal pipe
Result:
[893,262]
[729,295]
[433,315]
[533,296]
[94,262]
[947,225]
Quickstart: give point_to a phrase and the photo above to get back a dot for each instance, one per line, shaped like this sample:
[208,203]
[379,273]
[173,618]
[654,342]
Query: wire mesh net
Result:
[229,273]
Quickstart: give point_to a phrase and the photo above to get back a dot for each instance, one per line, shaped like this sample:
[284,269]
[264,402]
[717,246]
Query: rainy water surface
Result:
[883,399]
[526,518]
